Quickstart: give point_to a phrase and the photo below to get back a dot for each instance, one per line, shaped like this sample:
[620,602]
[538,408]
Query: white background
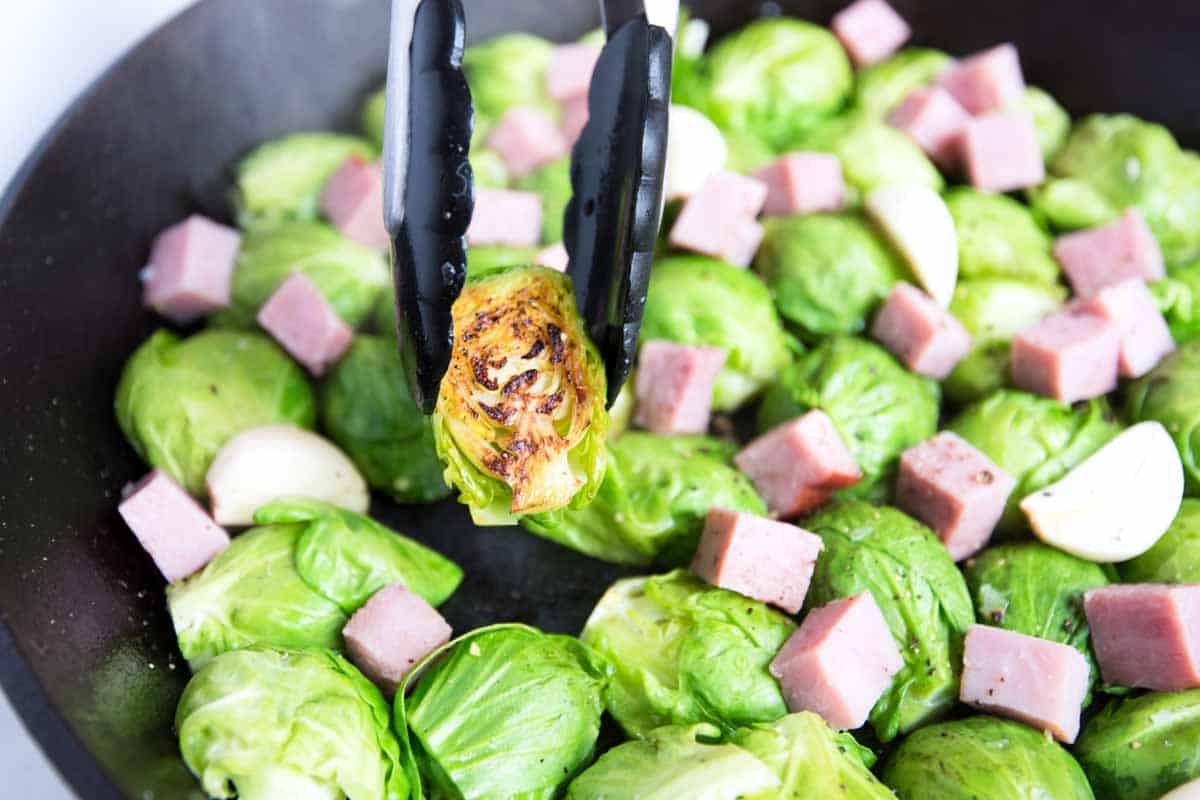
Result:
[50,51]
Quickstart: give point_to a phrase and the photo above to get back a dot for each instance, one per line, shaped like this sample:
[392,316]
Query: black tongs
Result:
[611,223]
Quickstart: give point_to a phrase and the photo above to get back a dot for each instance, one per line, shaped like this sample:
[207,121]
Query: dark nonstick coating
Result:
[86,648]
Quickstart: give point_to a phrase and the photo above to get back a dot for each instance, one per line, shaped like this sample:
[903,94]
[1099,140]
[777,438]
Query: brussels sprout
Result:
[1178,298]
[884,86]
[507,711]
[1112,162]
[489,171]
[700,301]
[827,272]
[553,184]
[1034,439]
[367,410]
[282,179]
[747,154]
[880,408]
[685,652]
[1167,394]
[1175,558]
[873,154]
[920,591]
[507,71]
[994,310]
[1051,120]
[374,116]
[651,507]
[180,400]
[984,758]
[295,581]
[999,238]
[1140,748]
[264,724]
[776,77]
[1037,590]
[520,420]
[620,415]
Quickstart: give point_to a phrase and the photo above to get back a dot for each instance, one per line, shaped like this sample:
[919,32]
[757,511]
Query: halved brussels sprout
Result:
[884,86]
[505,711]
[507,71]
[685,652]
[180,400]
[922,595]
[552,183]
[265,724]
[281,180]
[1178,298]
[653,502]
[1168,394]
[984,758]
[880,408]
[520,420]
[620,415]
[1000,238]
[1139,748]
[1175,558]
[366,408]
[827,272]
[1034,439]
[295,581]
[1051,120]
[351,277]
[873,154]
[701,301]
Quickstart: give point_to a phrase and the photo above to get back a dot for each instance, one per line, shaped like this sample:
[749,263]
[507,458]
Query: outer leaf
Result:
[1167,394]
[1175,558]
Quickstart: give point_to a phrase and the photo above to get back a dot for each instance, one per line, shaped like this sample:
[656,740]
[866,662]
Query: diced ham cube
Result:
[719,220]
[922,335]
[303,322]
[769,561]
[955,490]
[505,217]
[353,202]
[1110,254]
[1145,337]
[555,257]
[392,633]
[1069,356]
[190,269]
[674,386]
[870,30]
[987,81]
[569,74]
[526,138]
[935,121]
[1146,635]
[801,183]
[574,118]
[839,661]
[797,465]
[171,526]
[1001,151]
[1035,681]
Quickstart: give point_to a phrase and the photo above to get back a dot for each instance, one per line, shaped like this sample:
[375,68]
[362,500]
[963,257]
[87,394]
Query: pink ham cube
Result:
[719,220]
[838,662]
[870,30]
[353,202]
[921,334]
[1110,254]
[1069,356]
[569,74]
[1146,635]
[526,138]
[1145,337]
[1031,680]
[935,121]
[1001,151]
[303,322]
[801,183]
[190,269]
[574,118]
[955,490]
[505,217]
[674,386]
[171,526]
[769,561]
[796,466]
[987,81]
[555,257]
[392,633]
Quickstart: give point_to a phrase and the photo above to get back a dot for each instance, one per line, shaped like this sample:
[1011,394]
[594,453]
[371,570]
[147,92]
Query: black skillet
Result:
[86,650]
